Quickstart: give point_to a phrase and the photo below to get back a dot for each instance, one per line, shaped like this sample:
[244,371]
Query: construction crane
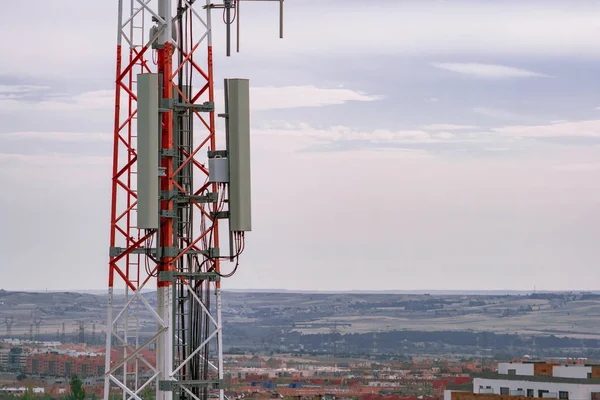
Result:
[172,183]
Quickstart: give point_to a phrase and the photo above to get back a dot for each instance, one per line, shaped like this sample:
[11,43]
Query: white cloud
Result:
[294,137]
[58,136]
[55,159]
[463,27]
[578,167]
[290,138]
[94,100]
[444,135]
[345,133]
[504,28]
[496,113]
[447,127]
[87,101]
[432,100]
[501,139]
[368,154]
[487,70]
[21,88]
[563,129]
[472,212]
[272,98]
[261,98]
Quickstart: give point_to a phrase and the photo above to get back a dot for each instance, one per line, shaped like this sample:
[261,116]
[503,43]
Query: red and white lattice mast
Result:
[172,184]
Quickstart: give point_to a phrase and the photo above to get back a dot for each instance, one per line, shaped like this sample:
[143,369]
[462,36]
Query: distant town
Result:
[327,345]
[45,369]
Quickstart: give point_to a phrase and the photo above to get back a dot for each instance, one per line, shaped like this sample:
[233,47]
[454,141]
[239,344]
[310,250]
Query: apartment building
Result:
[12,359]
[521,381]
[62,365]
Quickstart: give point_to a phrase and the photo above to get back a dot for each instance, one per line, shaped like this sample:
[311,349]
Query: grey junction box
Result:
[218,170]
[237,103]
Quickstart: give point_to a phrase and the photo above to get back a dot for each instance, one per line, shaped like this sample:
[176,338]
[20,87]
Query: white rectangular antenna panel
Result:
[148,129]
[237,95]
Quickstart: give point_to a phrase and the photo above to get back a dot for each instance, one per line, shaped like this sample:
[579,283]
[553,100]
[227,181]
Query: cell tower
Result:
[171,182]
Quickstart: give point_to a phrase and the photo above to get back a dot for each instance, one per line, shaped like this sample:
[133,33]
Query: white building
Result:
[536,380]
[21,390]
[559,371]
[536,386]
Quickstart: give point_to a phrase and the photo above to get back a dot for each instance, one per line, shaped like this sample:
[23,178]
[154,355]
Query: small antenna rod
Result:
[228,5]
[280,19]
[237,28]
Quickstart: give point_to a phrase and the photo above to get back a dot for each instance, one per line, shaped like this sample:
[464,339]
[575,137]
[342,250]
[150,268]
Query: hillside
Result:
[250,317]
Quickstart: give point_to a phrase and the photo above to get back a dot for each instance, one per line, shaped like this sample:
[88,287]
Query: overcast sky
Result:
[396,144]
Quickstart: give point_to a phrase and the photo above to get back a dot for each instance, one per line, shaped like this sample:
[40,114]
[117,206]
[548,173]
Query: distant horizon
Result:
[480,292]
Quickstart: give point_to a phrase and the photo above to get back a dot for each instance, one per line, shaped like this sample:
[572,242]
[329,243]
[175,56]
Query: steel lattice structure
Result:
[173,39]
